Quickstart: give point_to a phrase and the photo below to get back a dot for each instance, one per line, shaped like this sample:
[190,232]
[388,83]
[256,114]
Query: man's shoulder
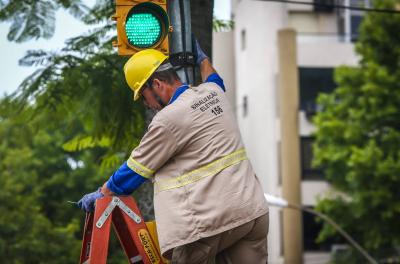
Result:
[205,86]
[177,112]
[171,115]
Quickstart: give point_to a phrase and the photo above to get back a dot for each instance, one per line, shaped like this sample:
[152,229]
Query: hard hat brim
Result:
[137,85]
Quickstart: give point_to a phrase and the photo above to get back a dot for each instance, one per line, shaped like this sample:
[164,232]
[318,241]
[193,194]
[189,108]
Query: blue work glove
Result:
[88,200]
[198,52]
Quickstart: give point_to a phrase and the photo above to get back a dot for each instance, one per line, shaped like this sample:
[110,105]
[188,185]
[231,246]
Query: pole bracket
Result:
[182,59]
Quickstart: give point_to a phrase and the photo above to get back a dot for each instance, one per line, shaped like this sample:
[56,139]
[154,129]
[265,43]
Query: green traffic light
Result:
[143,30]
[145,25]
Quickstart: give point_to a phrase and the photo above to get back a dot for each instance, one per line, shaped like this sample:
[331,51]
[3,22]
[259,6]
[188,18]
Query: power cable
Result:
[366,9]
[183,35]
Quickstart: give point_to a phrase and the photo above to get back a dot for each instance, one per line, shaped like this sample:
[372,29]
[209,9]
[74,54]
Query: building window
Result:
[314,81]
[245,106]
[355,22]
[243,39]
[279,151]
[349,21]
[281,232]
[307,170]
[324,6]
[311,229]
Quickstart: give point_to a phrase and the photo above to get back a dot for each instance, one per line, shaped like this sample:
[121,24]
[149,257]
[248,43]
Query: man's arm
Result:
[207,71]
[155,148]
[123,182]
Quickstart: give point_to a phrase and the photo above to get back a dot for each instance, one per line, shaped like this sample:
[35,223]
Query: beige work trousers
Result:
[246,244]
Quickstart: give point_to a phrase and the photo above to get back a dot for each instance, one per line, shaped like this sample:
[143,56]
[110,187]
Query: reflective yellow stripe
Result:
[210,169]
[139,168]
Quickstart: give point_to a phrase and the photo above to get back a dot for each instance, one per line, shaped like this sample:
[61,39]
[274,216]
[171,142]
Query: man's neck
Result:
[173,88]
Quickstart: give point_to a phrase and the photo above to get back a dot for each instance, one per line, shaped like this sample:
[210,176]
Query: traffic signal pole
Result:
[181,36]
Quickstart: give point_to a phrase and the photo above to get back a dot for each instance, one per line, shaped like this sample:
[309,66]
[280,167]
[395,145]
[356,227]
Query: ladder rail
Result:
[125,238]
[123,213]
[87,234]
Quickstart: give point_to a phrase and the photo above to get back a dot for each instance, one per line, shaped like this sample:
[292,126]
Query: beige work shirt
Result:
[203,182]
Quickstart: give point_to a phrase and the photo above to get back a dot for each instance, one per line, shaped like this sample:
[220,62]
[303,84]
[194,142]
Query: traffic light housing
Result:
[141,24]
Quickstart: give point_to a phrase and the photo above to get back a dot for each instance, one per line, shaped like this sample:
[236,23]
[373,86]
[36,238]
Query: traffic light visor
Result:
[146,25]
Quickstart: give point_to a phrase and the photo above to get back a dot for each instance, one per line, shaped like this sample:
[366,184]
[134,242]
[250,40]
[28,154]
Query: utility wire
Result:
[370,259]
[387,11]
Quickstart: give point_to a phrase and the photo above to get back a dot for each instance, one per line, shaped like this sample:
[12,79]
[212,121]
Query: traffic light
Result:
[141,24]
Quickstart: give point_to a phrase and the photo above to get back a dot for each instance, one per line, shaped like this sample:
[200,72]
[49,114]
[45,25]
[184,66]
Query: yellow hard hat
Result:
[140,67]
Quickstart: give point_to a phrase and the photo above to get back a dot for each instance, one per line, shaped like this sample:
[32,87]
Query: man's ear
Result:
[157,84]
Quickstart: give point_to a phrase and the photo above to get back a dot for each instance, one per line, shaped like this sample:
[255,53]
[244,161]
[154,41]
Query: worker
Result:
[209,205]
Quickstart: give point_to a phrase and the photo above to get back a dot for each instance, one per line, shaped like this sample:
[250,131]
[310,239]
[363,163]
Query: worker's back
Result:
[206,184]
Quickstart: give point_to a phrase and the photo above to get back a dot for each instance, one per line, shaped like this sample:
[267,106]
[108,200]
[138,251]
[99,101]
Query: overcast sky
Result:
[66,27]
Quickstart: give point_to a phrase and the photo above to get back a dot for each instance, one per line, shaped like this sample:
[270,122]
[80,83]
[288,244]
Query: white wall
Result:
[224,62]
[312,191]
[325,54]
[256,77]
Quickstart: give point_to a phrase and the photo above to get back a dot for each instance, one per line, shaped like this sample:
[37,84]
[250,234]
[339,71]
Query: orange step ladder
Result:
[123,213]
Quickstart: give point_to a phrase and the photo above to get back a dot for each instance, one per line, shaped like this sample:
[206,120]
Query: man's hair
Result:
[169,75]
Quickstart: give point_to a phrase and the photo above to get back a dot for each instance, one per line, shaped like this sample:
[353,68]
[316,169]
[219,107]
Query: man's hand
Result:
[202,60]
[88,200]
[199,53]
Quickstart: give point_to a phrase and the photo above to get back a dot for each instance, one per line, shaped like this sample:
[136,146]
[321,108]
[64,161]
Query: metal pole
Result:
[181,36]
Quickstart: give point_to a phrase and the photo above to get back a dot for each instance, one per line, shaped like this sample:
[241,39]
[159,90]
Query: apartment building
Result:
[276,61]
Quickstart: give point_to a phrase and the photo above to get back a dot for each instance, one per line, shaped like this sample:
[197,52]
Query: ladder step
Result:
[123,213]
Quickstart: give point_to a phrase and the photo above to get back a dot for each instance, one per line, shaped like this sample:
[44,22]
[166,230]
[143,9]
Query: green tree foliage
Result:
[38,178]
[72,115]
[33,19]
[86,79]
[222,25]
[358,139]
[66,129]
